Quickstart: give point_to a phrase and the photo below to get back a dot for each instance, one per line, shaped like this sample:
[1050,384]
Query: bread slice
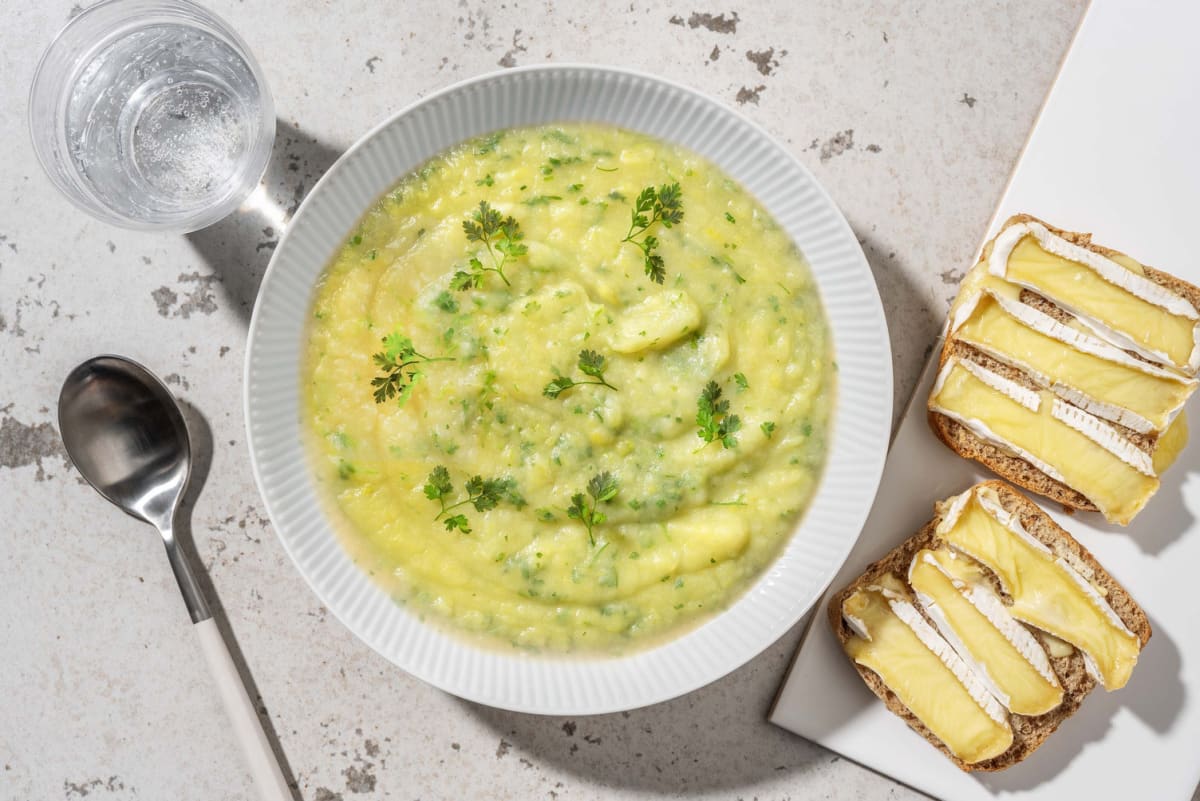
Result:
[1028,732]
[1004,464]
[1016,470]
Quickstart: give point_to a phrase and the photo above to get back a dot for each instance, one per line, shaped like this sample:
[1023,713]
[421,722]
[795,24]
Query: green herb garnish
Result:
[591,364]
[482,493]
[768,429]
[660,205]
[713,418]
[541,200]
[487,144]
[603,487]
[498,234]
[740,380]
[446,302]
[396,360]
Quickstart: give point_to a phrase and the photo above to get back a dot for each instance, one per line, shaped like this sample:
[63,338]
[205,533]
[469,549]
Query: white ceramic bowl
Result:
[861,422]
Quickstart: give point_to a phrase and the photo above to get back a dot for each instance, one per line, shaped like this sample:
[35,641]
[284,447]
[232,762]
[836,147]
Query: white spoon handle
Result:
[264,769]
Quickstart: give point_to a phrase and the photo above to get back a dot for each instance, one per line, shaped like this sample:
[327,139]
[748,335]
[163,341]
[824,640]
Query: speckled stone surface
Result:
[911,114]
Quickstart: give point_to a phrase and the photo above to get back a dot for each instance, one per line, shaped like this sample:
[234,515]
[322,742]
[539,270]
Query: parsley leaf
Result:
[462,280]
[602,488]
[768,428]
[485,493]
[498,234]
[558,386]
[740,380]
[591,364]
[459,522]
[713,419]
[662,205]
[438,485]
[482,493]
[396,360]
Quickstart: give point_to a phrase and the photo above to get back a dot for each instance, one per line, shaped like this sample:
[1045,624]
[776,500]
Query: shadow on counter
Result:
[1155,694]
[200,435]
[912,320]
[239,247]
[711,740]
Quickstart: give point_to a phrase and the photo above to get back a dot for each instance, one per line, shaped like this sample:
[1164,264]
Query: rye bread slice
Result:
[1007,465]
[1028,732]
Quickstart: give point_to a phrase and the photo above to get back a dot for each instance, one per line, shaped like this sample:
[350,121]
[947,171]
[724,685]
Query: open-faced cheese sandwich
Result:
[1065,368]
[987,628]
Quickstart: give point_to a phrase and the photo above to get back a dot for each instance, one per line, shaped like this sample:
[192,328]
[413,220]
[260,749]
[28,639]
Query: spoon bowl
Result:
[126,436]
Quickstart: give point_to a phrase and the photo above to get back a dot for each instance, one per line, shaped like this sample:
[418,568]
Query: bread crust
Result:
[1008,466]
[1028,732]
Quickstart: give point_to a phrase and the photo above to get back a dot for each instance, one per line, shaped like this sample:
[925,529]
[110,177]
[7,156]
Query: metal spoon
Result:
[126,435]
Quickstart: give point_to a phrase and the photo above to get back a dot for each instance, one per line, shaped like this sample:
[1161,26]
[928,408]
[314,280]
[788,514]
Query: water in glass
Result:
[160,120]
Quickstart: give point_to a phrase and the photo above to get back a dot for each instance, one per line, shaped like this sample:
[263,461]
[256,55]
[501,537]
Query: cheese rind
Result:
[926,675]
[1076,366]
[1120,304]
[1105,437]
[974,620]
[1067,444]
[1046,591]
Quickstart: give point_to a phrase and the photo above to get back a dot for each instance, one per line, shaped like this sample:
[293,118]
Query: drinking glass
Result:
[151,114]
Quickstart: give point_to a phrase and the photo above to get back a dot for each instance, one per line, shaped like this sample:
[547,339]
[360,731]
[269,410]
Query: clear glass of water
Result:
[151,114]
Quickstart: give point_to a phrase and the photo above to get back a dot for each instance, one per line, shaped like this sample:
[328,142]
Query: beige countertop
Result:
[911,114]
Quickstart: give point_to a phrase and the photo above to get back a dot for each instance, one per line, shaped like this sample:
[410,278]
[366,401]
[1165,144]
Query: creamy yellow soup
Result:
[687,505]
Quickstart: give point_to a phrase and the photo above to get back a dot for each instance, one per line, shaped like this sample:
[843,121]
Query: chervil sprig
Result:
[713,419]
[397,360]
[482,493]
[591,364]
[498,234]
[661,205]
[602,488]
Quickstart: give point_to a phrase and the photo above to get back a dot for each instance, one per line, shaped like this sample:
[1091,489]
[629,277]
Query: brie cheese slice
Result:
[1118,302]
[1047,591]
[953,592]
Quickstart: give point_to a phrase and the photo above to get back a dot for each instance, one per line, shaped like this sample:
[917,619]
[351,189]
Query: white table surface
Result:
[1113,152]
[912,114]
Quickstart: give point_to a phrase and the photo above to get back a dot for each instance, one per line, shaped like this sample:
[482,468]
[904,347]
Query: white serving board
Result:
[1116,151]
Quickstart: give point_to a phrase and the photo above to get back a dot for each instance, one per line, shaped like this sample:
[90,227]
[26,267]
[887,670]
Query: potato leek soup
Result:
[569,387]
